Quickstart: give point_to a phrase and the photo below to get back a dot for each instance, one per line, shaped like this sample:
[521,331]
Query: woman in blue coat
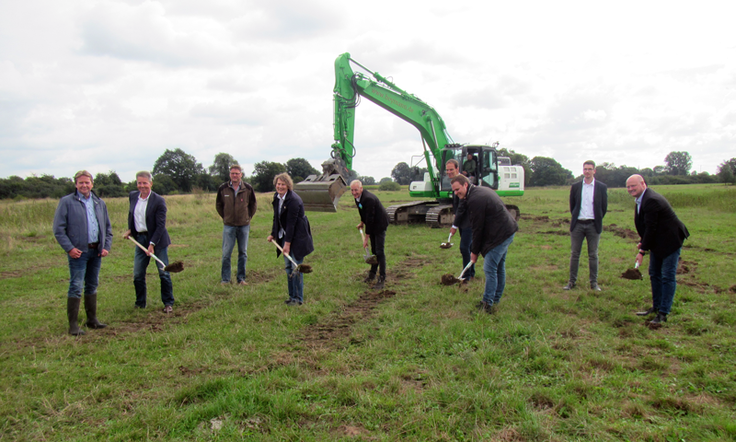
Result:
[291,231]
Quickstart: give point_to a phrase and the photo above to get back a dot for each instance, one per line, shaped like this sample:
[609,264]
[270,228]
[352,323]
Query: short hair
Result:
[285,178]
[83,173]
[235,166]
[591,162]
[454,162]
[144,174]
[462,179]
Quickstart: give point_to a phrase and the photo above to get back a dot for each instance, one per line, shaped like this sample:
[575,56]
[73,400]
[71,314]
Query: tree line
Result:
[175,172]
[544,171]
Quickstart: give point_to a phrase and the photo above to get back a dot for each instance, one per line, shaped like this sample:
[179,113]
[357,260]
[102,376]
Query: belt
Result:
[585,221]
[93,245]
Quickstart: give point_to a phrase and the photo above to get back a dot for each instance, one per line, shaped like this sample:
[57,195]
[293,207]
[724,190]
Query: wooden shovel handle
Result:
[146,250]
[285,254]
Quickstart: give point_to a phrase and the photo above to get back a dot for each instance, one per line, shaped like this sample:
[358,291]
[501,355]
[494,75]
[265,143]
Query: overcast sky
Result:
[110,84]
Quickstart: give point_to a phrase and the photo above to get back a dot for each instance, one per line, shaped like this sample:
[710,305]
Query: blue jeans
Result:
[295,280]
[494,266]
[584,231]
[662,273]
[85,269]
[229,235]
[466,240]
[140,264]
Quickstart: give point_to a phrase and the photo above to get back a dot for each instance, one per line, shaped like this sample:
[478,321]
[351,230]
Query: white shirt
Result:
[586,201]
[139,214]
[281,205]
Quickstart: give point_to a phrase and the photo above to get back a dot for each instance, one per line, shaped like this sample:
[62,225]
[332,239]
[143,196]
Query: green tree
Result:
[264,172]
[402,173]
[181,167]
[299,168]
[163,185]
[548,172]
[727,171]
[385,179]
[220,168]
[678,163]
[367,180]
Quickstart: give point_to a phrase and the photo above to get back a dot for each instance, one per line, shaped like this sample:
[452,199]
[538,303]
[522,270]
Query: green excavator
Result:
[322,192]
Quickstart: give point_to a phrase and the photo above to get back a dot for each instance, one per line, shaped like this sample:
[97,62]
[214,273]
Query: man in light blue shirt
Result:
[82,228]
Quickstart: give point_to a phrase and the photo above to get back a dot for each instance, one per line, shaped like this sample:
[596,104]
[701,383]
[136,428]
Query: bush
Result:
[389,185]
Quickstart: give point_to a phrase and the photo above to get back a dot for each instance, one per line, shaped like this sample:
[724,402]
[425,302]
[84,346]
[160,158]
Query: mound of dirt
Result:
[448,279]
[632,274]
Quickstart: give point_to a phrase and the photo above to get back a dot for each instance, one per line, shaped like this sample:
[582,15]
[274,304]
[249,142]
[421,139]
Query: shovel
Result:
[369,259]
[448,244]
[301,268]
[448,279]
[176,267]
[633,273]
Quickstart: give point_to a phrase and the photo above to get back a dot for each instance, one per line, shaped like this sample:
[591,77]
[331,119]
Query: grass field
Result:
[413,362]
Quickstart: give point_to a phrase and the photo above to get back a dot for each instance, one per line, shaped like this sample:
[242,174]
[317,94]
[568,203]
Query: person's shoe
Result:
[482,305]
[369,278]
[168,309]
[292,302]
[647,312]
[379,283]
[491,308]
[90,308]
[139,306]
[224,282]
[569,286]
[658,320]
[72,313]
[595,287]
[242,283]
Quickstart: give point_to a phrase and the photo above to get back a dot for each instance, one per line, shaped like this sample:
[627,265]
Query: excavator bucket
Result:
[321,193]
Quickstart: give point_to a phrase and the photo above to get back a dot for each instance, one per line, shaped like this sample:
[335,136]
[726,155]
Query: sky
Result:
[109,85]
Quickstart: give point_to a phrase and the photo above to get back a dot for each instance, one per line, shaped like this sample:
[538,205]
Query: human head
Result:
[83,182]
[236,173]
[635,185]
[144,180]
[283,183]
[460,186]
[588,170]
[452,168]
[470,156]
[356,188]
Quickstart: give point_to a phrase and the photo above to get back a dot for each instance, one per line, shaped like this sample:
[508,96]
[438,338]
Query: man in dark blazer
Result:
[662,235]
[374,219]
[147,225]
[588,206]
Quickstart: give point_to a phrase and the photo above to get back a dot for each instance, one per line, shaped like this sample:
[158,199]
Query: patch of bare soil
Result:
[339,325]
[622,232]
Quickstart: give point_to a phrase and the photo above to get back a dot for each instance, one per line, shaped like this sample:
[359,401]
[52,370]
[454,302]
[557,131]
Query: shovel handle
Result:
[449,237]
[285,254]
[464,270]
[146,250]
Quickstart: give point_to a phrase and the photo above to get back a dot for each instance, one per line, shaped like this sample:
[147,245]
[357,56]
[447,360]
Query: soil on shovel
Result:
[445,245]
[373,260]
[448,279]
[176,267]
[632,274]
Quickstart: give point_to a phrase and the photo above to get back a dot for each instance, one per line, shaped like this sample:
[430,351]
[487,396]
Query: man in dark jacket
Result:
[588,206]
[147,225]
[493,232]
[374,219]
[461,222]
[662,234]
[236,205]
[82,228]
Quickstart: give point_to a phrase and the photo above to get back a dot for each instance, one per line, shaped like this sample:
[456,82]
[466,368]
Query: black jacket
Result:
[660,230]
[372,213]
[295,224]
[600,203]
[155,219]
[492,224]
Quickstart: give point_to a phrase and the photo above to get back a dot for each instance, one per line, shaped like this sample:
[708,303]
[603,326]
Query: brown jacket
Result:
[236,210]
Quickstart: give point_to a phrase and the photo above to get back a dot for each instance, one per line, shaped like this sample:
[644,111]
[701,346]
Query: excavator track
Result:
[440,216]
[430,212]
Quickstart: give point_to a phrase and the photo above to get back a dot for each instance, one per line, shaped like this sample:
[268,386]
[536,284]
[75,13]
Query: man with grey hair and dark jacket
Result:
[82,228]
[493,232]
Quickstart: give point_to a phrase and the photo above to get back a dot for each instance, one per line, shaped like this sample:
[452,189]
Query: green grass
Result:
[234,363]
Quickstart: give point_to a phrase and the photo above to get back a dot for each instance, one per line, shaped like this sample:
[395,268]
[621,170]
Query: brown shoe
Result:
[242,283]
[168,309]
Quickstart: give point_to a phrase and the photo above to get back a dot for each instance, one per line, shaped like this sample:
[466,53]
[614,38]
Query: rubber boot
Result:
[90,307]
[371,276]
[72,312]
[379,283]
